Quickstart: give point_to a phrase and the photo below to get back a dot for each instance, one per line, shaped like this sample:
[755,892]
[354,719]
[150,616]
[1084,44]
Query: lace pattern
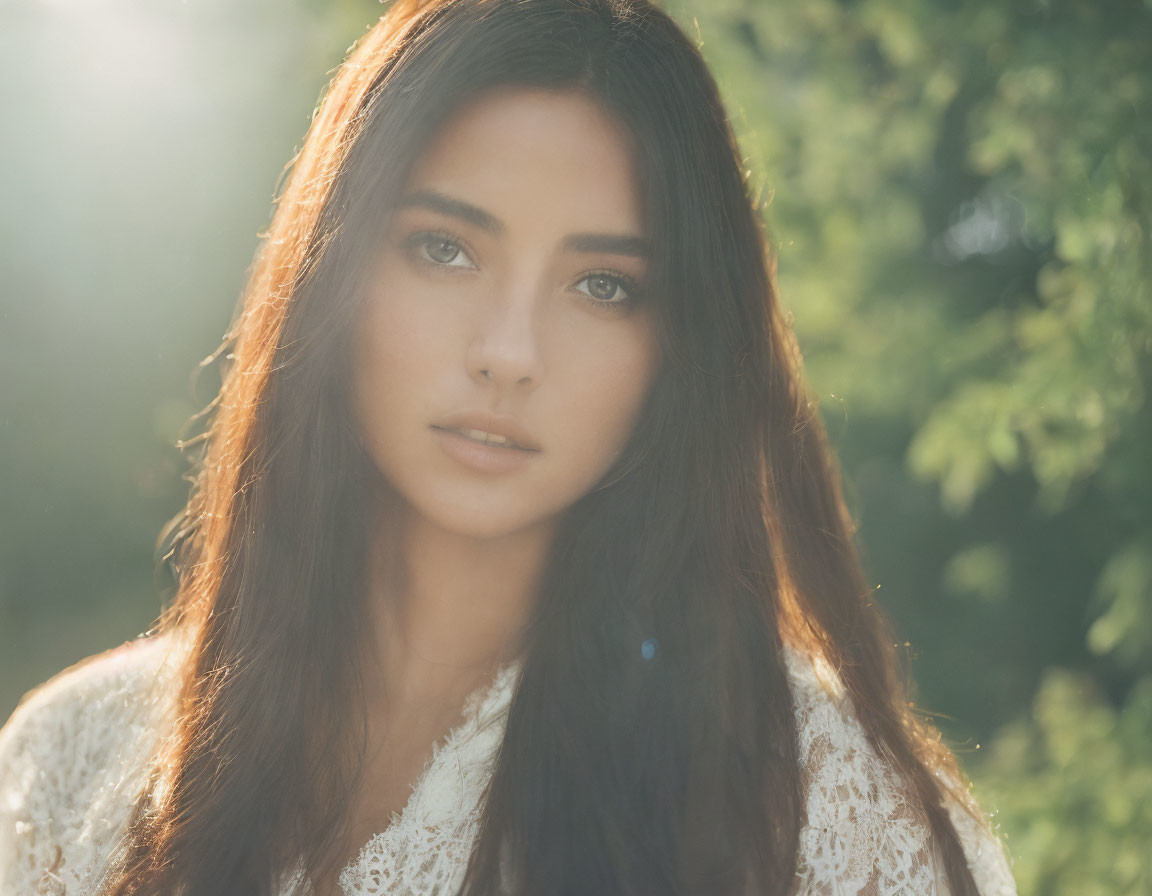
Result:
[425,848]
[73,760]
[866,832]
[69,768]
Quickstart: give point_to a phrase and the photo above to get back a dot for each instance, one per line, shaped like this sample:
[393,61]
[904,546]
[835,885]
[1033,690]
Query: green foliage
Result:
[1073,783]
[961,197]
[1124,596]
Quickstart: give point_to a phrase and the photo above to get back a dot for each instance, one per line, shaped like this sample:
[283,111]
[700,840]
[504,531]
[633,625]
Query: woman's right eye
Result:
[439,249]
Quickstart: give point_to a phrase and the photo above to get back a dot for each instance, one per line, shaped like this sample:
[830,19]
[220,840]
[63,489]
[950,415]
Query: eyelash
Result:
[422,238]
[628,284]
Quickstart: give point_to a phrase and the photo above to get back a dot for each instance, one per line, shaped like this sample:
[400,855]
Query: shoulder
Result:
[79,707]
[866,830]
[67,752]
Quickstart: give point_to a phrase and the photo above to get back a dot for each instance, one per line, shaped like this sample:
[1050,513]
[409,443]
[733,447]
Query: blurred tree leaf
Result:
[1073,785]
[1124,595]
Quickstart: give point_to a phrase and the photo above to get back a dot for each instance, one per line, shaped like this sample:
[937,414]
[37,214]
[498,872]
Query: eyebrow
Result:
[615,244]
[611,243]
[455,208]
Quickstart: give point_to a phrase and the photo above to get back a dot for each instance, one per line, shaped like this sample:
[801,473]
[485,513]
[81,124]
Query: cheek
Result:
[393,355]
[610,389]
[401,333]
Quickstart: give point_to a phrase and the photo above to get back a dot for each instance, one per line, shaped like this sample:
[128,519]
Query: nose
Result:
[504,349]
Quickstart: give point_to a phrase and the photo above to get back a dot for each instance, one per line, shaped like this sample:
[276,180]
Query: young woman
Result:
[516,560]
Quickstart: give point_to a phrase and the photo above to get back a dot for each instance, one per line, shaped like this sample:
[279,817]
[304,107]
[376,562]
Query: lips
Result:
[482,457]
[486,438]
[474,423]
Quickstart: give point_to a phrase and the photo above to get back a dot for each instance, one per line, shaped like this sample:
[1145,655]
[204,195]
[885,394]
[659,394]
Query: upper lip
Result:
[492,423]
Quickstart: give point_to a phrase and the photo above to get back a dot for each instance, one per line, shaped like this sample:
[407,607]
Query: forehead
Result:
[554,156]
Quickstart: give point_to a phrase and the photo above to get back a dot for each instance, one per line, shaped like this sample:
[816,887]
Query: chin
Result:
[479,517]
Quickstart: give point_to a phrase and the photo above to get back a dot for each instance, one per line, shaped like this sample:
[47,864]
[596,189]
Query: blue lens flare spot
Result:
[648,648]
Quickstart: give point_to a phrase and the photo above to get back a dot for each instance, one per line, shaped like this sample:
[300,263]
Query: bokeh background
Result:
[960,195]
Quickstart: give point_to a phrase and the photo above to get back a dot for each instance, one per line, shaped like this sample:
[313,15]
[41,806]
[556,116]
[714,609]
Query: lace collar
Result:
[426,846]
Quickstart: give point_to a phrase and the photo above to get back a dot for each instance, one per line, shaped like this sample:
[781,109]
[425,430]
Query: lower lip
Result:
[478,456]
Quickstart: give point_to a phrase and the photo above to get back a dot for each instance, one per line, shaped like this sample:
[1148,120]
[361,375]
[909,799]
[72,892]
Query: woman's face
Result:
[506,298]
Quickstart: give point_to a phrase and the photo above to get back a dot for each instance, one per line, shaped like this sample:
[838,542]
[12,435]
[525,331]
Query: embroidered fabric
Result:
[70,767]
[866,833]
[72,761]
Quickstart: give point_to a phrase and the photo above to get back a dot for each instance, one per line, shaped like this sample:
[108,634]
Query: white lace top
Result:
[72,756]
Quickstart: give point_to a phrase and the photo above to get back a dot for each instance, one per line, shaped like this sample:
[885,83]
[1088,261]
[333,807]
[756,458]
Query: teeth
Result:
[487,438]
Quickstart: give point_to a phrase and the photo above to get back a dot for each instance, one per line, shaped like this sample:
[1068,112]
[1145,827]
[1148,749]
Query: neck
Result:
[447,609]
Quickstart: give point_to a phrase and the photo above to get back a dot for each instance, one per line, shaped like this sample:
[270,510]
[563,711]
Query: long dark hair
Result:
[721,532]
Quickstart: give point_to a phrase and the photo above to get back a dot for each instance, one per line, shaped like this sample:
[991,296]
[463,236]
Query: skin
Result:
[510,323]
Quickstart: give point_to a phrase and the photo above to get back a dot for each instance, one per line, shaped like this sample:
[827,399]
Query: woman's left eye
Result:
[610,289]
